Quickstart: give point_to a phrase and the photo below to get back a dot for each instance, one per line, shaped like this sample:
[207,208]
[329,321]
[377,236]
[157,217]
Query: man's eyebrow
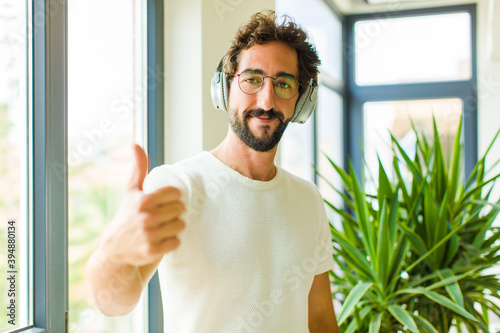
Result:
[253,70]
[282,73]
[260,71]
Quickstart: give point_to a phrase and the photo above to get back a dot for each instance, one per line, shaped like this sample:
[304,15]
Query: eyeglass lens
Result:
[285,87]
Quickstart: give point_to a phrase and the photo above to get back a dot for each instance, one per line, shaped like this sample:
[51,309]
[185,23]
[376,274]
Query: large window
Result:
[410,65]
[106,113]
[424,48]
[114,93]
[14,182]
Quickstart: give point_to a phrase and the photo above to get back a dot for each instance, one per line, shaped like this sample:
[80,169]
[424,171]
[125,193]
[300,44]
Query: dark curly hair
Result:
[264,27]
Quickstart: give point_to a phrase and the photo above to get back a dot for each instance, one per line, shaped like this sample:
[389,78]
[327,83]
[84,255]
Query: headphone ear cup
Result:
[306,104]
[218,89]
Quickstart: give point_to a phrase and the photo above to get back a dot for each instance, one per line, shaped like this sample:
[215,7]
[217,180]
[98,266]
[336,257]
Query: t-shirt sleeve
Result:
[163,176]
[168,175]
[324,250]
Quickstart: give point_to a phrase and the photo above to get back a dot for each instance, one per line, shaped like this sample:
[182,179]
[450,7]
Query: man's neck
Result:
[250,163]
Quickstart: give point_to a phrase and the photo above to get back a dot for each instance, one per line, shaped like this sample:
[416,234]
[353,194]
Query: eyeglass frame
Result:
[264,82]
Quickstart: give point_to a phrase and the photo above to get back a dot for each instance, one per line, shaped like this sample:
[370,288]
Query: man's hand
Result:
[132,245]
[146,226]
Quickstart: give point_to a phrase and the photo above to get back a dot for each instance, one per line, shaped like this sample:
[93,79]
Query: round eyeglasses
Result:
[251,82]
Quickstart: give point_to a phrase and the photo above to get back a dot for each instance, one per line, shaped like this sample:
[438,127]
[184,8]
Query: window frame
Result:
[49,164]
[48,157]
[155,129]
[356,95]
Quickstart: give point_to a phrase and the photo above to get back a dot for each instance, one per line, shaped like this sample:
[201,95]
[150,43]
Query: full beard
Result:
[269,140]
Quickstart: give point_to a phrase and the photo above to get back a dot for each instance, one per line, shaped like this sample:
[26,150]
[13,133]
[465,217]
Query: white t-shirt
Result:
[249,252]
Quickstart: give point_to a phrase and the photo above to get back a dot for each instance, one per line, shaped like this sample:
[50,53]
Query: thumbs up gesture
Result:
[146,226]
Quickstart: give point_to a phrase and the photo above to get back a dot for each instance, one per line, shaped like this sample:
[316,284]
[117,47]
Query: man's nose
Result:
[266,97]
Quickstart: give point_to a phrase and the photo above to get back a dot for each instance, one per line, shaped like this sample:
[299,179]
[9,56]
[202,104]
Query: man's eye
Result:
[252,80]
[283,85]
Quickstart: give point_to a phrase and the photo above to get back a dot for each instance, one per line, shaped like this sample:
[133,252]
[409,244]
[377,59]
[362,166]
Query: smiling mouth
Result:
[264,120]
[265,117]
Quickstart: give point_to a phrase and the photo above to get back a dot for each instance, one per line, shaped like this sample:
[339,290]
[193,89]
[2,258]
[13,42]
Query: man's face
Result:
[259,120]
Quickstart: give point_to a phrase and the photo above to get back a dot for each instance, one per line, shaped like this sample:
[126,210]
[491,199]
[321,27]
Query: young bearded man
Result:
[240,244]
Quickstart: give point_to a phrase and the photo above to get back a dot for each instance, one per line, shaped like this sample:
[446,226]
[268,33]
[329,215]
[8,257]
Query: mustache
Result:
[272,113]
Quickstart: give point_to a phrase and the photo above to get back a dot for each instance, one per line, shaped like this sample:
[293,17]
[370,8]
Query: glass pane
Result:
[14,166]
[330,131]
[324,28]
[413,49]
[106,102]
[297,149]
[382,118]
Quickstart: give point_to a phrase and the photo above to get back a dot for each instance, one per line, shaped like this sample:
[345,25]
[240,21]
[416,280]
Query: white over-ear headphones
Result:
[303,109]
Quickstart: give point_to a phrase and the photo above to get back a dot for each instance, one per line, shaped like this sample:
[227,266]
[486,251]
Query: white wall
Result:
[183,127]
[197,33]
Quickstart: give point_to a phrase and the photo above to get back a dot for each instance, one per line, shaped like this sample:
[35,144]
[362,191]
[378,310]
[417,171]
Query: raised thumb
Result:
[140,168]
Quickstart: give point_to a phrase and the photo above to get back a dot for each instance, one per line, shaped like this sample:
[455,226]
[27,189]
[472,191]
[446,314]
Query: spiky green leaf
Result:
[403,317]
[352,299]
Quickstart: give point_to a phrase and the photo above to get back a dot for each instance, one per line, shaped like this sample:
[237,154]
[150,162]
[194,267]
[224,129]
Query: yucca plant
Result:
[416,256]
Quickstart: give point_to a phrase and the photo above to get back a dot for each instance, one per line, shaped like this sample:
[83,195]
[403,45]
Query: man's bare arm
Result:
[133,243]
[321,315]
[116,289]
